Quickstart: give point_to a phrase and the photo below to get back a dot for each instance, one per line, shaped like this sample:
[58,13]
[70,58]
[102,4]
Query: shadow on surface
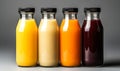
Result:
[111,63]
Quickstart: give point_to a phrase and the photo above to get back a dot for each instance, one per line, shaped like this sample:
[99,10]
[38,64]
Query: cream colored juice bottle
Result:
[48,38]
[26,38]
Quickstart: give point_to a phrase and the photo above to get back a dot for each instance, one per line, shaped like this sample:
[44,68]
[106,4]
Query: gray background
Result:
[110,17]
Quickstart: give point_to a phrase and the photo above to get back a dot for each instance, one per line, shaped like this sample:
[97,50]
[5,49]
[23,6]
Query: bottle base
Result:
[93,65]
[70,65]
[27,65]
[56,65]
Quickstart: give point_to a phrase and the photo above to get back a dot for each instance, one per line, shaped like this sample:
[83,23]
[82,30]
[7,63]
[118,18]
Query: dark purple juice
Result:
[92,43]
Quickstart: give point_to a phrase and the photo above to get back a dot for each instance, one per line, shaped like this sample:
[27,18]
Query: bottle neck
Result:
[92,16]
[70,15]
[28,15]
[48,15]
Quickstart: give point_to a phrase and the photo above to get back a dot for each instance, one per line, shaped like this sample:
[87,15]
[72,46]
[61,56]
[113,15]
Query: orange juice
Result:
[70,42]
[26,42]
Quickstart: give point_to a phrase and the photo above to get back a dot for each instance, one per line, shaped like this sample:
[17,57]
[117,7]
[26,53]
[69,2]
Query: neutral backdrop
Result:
[110,17]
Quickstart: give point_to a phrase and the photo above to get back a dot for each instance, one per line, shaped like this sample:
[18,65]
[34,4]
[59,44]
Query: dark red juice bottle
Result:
[92,38]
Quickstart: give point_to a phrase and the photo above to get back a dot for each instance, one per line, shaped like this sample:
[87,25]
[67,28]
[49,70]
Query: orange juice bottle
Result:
[26,38]
[70,38]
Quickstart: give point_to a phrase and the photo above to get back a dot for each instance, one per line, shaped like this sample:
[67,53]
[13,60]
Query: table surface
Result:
[7,62]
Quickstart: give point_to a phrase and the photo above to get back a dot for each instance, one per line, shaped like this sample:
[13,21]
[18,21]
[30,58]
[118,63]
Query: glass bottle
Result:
[48,38]
[26,38]
[92,38]
[70,38]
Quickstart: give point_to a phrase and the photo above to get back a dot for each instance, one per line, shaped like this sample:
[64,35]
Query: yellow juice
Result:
[26,42]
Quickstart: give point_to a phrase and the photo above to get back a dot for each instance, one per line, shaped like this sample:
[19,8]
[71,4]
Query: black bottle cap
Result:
[92,9]
[48,10]
[28,9]
[70,10]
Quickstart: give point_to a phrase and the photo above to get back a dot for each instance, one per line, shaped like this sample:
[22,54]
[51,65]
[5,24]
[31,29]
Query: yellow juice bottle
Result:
[26,38]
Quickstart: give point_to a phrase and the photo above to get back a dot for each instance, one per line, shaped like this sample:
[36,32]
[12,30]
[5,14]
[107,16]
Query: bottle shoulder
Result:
[26,21]
[72,24]
[94,25]
[48,25]
[29,24]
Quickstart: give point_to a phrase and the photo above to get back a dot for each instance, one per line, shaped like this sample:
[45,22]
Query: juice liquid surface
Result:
[70,43]
[26,43]
[92,41]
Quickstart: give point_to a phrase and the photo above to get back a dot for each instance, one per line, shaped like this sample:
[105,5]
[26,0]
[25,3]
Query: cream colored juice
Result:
[48,42]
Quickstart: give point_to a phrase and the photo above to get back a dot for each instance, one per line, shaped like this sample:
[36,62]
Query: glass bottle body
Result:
[48,40]
[92,40]
[70,40]
[26,40]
